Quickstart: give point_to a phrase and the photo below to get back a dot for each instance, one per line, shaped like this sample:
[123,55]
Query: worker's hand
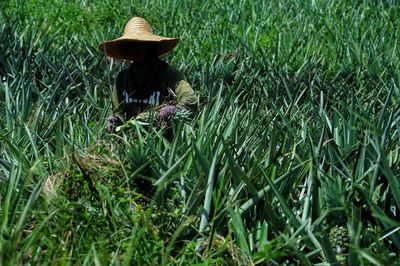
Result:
[112,123]
[167,111]
[144,117]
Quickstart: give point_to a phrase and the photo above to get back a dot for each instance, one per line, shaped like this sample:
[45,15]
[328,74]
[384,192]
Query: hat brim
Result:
[119,48]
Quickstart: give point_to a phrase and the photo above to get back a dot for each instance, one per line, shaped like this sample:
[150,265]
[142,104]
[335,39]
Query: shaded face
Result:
[135,51]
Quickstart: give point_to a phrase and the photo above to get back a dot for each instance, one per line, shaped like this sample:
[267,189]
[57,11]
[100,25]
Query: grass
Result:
[297,137]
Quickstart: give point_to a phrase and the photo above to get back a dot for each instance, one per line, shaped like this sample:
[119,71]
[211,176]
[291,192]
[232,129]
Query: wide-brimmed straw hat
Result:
[137,30]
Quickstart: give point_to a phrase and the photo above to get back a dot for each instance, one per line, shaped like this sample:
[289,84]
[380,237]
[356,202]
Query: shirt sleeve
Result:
[118,103]
[185,96]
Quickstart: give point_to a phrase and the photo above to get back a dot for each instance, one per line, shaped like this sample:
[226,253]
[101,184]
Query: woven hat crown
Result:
[137,25]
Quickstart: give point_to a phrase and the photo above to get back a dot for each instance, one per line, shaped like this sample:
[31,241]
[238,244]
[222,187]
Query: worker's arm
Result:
[185,96]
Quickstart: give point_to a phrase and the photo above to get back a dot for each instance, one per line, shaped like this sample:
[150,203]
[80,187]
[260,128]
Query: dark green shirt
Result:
[172,88]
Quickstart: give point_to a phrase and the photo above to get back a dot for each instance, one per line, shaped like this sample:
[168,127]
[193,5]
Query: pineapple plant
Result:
[335,196]
[339,239]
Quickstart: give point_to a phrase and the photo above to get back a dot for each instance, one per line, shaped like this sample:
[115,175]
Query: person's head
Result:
[132,51]
[142,51]
[138,43]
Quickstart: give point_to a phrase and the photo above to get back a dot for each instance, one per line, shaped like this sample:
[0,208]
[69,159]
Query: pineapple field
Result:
[291,158]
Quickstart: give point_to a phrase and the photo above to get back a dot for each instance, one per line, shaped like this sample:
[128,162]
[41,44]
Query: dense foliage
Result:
[292,158]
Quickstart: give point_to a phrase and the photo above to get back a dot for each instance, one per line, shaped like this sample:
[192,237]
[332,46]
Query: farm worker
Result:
[149,82]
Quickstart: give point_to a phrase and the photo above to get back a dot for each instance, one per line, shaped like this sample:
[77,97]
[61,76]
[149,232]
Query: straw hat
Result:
[137,30]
